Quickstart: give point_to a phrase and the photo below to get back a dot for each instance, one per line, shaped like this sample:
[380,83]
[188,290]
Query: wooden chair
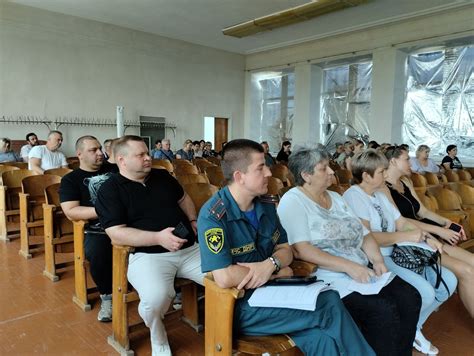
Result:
[202,163]
[200,193]
[122,297]
[184,169]
[163,163]
[31,211]
[465,177]
[192,178]
[216,176]
[9,202]
[274,186]
[5,168]
[344,177]
[19,165]
[61,172]
[81,289]
[431,179]
[218,331]
[58,231]
[282,172]
[214,160]
[466,192]
[452,176]
[180,162]
[419,183]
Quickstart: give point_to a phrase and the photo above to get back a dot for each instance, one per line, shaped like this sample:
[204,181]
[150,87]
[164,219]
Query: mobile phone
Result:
[181,231]
[455,227]
[293,280]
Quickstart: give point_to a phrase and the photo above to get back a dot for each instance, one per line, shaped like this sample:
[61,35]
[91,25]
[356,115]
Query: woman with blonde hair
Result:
[422,163]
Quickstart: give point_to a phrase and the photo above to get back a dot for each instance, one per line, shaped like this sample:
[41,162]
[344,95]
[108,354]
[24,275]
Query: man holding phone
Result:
[148,209]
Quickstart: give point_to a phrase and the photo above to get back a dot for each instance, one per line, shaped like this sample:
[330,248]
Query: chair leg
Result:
[189,295]
[80,272]
[24,231]
[49,255]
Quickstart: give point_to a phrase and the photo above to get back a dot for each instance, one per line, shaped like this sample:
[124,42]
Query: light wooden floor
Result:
[38,316]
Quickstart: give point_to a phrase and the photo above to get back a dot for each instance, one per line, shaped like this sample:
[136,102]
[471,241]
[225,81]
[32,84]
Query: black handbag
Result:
[417,259]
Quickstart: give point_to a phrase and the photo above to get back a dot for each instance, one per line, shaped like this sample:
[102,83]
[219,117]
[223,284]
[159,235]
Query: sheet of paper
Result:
[372,287]
[292,297]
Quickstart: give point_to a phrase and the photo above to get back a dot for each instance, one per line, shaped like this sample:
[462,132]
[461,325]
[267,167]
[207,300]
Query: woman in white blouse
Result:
[422,163]
[322,229]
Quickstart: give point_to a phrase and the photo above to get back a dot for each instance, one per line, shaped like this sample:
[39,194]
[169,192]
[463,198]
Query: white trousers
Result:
[152,275]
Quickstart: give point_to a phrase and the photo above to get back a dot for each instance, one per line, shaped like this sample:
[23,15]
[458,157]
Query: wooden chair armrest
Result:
[303,268]
[214,288]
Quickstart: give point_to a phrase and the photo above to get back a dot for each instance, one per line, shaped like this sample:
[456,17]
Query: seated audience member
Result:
[373,144]
[450,161]
[208,151]
[339,150]
[403,195]
[165,151]
[78,204]
[243,244]
[32,140]
[197,151]
[322,229]
[156,148]
[269,160]
[284,153]
[186,152]
[358,146]
[141,207]
[346,155]
[388,227]
[422,163]
[6,154]
[107,149]
[47,156]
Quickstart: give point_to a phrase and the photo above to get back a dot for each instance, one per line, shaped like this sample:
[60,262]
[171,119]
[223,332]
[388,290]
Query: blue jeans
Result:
[431,298]
[329,330]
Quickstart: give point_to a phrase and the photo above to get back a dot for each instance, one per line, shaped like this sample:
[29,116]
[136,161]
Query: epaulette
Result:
[269,199]
[218,209]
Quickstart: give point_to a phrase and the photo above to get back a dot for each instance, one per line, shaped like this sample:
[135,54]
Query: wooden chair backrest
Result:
[163,163]
[72,159]
[344,176]
[452,176]
[443,179]
[200,193]
[465,191]
[20,165]
[214,160]
[192,178]
[202,163]
[181,162]
[58,171]
[281,172]
[36,185]
[4,168]
[447,199]
[183,169]
[216,176]
[51,194]
[418,180]
[274,186]
[464,175]
[431,178]
[12,180]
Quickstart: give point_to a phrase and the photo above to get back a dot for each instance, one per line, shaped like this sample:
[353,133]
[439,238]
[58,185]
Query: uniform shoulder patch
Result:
[218,209]
[214,239]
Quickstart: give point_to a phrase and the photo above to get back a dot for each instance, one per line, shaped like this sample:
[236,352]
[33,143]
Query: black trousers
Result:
[388,319]
[98,249]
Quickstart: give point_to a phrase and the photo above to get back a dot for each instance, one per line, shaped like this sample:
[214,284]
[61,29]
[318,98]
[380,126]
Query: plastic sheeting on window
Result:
[272,107]
[345,103]
[439,103]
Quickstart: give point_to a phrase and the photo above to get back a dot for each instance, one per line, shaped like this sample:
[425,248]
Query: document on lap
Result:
[373,287]
[302,297]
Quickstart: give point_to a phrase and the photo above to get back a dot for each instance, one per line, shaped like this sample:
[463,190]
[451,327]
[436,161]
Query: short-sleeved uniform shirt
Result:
[149,206]
[49,159]
[75,186]
[226,235]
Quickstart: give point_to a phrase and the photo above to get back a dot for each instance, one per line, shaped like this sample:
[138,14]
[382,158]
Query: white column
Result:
[388,95]
[120,124]
[306,123]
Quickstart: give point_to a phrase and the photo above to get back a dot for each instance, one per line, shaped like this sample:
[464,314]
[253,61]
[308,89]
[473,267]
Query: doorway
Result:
[216,131]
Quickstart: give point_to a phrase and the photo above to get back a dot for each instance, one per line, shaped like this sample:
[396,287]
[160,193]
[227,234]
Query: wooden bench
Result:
[31,211]
[122,297]
[218,331]
[58,233]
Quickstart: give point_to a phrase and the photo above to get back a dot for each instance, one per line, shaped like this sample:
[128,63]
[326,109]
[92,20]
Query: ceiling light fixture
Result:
[290,16]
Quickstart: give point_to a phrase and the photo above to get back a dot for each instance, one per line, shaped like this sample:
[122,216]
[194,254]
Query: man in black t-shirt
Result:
[77,204]
[148,209]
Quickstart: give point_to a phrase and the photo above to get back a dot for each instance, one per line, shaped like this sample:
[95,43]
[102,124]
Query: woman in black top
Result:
[284,153]
[401,191]
[451,161]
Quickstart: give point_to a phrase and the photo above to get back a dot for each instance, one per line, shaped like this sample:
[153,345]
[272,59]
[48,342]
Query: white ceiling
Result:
[202,21]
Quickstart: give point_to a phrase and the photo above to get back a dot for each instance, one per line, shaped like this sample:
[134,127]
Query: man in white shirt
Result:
[48,156]
[32,140]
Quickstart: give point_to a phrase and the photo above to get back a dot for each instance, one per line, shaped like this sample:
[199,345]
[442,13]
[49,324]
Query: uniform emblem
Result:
[215,239]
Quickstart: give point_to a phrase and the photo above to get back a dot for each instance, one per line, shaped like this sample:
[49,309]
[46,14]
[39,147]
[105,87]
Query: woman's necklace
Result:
[323,202]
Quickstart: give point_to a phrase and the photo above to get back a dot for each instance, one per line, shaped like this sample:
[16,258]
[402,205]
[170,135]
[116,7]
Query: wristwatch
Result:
[277,263]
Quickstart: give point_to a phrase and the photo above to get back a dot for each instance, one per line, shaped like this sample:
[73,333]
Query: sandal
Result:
[423,345]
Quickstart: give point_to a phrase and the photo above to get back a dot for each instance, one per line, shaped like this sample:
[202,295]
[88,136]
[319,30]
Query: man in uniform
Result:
[148,209]
[77,203]
[244,245]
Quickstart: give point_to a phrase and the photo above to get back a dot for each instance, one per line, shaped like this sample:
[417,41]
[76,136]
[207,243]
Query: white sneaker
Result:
[161,350]
[423,345]
[105,311]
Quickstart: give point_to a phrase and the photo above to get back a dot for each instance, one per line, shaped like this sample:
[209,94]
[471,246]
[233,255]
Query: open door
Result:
[220,132]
